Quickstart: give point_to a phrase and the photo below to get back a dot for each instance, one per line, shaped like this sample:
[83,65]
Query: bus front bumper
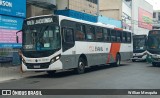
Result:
[42,66]
[140,57]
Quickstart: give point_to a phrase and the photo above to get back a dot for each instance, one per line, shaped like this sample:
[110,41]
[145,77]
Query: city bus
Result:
[56,43]
[139,47]
[153,48]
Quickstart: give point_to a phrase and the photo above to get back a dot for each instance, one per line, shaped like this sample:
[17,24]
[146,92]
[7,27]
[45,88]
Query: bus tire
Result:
[81,66]
[51,73]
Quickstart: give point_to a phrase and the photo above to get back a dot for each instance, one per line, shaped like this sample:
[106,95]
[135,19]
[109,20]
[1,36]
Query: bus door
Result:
[68,48]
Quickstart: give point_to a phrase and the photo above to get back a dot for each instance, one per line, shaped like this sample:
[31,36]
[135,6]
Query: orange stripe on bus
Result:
[115,49]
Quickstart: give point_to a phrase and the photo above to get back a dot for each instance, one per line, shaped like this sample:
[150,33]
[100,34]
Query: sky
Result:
[155,3]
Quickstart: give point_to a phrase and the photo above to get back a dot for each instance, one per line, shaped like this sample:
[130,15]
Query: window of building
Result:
[93,1]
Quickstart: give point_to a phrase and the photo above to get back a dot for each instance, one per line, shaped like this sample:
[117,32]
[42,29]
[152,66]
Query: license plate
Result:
[136,57]
[37,66]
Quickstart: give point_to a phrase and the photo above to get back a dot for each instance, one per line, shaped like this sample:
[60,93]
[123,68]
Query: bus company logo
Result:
[5,3]
[98,48]
[6,92]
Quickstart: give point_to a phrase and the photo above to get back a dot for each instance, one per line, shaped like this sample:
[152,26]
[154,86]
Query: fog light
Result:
[52,61]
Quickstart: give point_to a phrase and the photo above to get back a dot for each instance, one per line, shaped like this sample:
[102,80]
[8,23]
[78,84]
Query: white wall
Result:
[62,4]
[126,11]
[145,6]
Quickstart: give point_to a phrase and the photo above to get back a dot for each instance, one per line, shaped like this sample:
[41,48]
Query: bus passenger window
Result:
[80,32]
[91,33]
[124,38]
[99,34]
[128,37]
[119,36]
[68,35]
[106,34]
[113,36]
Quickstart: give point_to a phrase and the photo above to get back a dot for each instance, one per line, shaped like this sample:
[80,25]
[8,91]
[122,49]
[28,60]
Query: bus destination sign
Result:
[39,21]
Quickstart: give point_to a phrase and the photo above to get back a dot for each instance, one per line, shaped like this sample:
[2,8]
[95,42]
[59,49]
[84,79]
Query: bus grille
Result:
[37,66]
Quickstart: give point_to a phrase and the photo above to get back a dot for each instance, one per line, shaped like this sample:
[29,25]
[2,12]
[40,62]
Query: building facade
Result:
[84,6]
[117,9]
[142,16]
[40,7]
[156,19]
[11,19]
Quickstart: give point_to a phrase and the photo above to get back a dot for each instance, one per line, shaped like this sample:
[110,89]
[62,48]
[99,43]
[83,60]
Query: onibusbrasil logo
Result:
[5,3]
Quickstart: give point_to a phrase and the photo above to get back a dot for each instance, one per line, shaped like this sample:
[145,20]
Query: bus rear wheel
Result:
[81,66]
[51,73]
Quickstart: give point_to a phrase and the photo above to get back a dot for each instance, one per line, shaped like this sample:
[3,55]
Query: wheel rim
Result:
[81,66]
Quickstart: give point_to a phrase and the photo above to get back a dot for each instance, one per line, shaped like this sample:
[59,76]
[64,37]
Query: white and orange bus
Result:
[51,43]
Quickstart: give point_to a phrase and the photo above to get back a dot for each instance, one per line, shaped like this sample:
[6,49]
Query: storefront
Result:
[12,14]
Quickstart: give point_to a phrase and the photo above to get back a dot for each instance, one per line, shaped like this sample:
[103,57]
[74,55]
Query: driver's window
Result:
[68,35]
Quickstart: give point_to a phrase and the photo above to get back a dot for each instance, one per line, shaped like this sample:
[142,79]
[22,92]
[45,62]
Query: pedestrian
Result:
[20,57]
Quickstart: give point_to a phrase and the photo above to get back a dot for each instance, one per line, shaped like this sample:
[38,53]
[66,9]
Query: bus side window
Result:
[90,33]
[113,36]
[106,34]
[99,34]
[80,32]
[68,38]
[119,36]
[68,35]
[124,38]
[128,37]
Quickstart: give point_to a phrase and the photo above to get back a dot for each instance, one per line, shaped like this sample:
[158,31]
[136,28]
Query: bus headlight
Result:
[52,61]
[55,59]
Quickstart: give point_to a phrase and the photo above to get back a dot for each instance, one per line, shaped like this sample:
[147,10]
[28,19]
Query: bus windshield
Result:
[139,44]
[154,42]
[41,38]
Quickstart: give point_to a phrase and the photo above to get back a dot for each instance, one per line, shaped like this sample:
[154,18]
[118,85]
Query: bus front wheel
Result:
[81,66]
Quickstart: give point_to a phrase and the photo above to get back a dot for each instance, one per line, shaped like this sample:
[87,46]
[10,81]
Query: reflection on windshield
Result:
[154,42]
[139,44]
[41,38]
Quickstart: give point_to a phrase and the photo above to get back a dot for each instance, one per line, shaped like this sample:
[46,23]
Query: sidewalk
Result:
[13,73]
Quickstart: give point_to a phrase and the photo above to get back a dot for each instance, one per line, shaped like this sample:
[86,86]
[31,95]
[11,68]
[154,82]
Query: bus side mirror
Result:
[17,38]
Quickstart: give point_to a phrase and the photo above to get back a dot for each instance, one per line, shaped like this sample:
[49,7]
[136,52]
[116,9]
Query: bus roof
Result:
[81,21]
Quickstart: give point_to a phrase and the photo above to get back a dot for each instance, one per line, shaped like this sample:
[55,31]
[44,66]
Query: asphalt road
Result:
[138,75]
